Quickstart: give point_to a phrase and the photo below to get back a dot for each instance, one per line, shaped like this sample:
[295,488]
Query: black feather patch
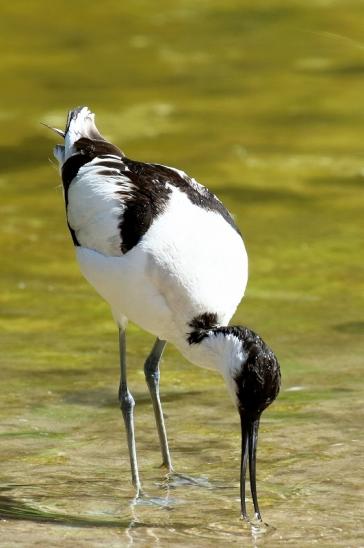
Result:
[143,206]
[200,325]
[71,167]
[97,147]
[258,382]
[198,195]
[207,320]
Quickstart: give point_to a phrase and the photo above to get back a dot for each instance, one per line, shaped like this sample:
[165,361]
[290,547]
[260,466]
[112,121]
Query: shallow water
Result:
[263,103]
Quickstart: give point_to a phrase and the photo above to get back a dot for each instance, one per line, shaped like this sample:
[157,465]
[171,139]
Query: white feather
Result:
[82,124]
[189,262]
[95,209]
[221,352]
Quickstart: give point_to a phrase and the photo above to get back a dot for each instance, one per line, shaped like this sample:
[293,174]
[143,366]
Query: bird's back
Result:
[159,247]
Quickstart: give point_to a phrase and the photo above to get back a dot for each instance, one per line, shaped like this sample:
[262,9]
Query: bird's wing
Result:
[111,202]
[165,176]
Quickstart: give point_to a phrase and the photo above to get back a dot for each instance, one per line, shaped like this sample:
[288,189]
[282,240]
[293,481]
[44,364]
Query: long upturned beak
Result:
[249,439]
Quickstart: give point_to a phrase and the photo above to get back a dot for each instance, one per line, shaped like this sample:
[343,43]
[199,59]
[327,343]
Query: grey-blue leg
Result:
[127,404]
[151,370]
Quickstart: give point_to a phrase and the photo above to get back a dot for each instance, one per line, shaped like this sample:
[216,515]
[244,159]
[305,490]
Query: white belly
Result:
[189,262]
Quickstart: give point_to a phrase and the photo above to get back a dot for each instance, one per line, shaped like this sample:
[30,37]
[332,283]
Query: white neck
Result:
[221,352]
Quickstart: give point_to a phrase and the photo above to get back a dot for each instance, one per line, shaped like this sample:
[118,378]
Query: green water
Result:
[263,102]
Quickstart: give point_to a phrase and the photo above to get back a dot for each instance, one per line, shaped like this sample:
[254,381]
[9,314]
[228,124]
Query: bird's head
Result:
[252,374]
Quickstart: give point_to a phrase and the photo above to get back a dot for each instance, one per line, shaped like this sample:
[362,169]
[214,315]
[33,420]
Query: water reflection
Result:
[144,518]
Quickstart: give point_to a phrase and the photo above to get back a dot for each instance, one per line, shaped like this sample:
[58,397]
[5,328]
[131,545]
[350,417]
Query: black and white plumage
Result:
[165,253]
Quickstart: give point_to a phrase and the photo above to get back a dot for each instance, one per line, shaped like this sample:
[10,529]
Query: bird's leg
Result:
[127,404]
[151,370]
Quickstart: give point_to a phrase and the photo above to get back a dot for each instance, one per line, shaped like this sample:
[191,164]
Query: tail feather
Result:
[80,123]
